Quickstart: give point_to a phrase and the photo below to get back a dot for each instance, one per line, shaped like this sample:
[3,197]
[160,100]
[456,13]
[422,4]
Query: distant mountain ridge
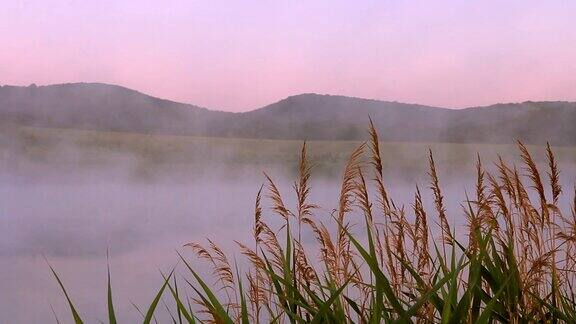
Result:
[99,106]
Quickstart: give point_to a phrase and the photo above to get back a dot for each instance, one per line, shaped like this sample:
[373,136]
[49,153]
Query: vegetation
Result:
[306,116]
[157,157]
[515,263]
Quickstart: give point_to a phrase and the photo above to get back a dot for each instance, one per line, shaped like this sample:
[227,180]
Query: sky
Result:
[240,55]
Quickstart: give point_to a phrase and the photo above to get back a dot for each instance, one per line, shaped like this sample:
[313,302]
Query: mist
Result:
[70,203]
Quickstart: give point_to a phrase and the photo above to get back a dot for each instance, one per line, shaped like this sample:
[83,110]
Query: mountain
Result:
[100,107]
[308,116]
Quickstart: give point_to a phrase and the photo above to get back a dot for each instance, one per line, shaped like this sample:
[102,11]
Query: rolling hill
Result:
[97,106]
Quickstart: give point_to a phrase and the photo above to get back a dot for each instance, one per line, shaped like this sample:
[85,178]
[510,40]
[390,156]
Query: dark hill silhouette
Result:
[307,116]
[100,107]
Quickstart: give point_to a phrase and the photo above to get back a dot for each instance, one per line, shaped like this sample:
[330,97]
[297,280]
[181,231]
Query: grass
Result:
[374,260]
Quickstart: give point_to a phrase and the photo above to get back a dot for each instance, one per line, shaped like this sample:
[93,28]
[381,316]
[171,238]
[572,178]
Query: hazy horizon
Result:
[238,56]
[277,100]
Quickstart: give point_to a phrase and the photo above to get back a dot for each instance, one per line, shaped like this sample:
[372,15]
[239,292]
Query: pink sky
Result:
[242,54]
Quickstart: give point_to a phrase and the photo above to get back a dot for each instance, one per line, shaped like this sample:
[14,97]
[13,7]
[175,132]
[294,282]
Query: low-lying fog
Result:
[72,216]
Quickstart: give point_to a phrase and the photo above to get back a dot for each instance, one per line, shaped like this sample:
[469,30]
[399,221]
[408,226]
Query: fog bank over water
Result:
[72,204]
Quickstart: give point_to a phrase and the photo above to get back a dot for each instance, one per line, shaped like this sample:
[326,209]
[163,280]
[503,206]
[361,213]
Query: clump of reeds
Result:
[517,263]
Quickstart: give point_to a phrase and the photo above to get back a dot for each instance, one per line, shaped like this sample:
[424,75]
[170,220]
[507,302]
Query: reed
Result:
[516,263]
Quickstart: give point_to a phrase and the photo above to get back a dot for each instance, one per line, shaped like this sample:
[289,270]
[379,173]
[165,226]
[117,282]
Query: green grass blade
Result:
[137,309]
[450,302]
[413,311]
[75,315]
[54,313]
[383,282]
[218,308]
[111,313]
[169,312]
[243,307]
[177,298]
[434,298]
[356,309]
[182,311]
[486,316]
[325,308]
[150,312]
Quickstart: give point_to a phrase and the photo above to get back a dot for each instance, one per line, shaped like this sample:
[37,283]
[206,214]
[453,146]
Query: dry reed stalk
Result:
[556,190]
[480,186]
[348,182]
[304,209]
[362,199]
[488,220]
[255,289]
[538,225]
[422,232]
[574,203]
[221,270]
[272,246]
[439,204]
[568,238]
[258,294]
[257,230]
[344,206]
[474,227]
[328,251]
[423,262]
[252,256]
[403,228]
[534,175]
[530,217]
[206,310]
[383,197]
[259,289]
[224,270]
[378,242]
[276,197]
[501,204]
[363,203]
[505,175]
[376,162]
[303,190]
[537,236]
[553,174]
[395,225]
[307,272]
